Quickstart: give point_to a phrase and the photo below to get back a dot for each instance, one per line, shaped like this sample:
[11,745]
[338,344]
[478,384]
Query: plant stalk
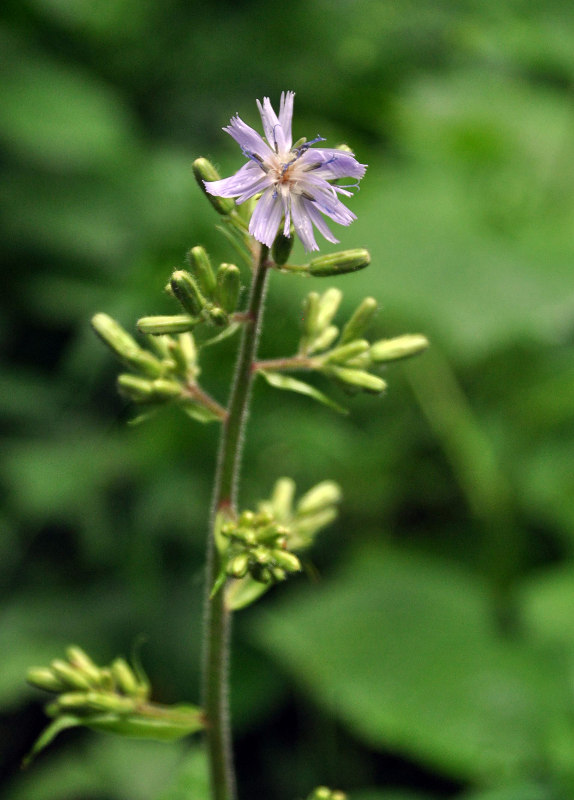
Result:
[217,617]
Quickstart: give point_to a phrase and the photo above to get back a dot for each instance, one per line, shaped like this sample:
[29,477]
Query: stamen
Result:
[254,157]
[304,147]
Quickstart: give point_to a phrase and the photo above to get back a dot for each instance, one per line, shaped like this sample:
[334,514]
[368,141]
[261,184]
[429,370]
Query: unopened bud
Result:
[200,266]
[72,701]
[124,677]
[288,561]
[176,323]
[228,286]
[282,498]
[216,316]
[80,659]
[329,302]
[339,263]
[238,566]
[359,379]
[69,675]
[360,320]
[281,249]
[163,390]
[324,494]
[44,678]
[124,346]
[400,347]
[324,340]
[310,314]
[205,171]
[137,389]
[187,291]
[109,702]
[343,354]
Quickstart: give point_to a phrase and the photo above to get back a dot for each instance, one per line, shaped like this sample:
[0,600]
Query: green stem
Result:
[217,619]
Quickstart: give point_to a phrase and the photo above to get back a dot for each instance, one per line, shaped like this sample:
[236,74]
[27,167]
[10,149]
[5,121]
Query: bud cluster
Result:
[84,688]
[167,372]
[257,544]
[323,793]
[204,295]
[113,699]
[346,357]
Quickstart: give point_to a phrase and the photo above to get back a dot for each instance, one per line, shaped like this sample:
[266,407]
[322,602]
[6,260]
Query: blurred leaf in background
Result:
[453,555]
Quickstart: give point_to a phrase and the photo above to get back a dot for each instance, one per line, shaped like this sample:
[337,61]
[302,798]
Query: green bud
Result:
[80,659]
[310,314]
[238,566]
[124,346]
[263,574]
[262,555]
[44,678]
[69,675]
[109,702]
[326,493]
[339,263]
[71,701]
[200,265]
[286,560]
[176,323]
[124,677]
[137,389]
[360,320]
[163,390]
[359,379]
[329,302]
[228,287]
[400,347]
[277,574]
[246,518]
[362,361]
[324,340]
[217,316]
[205,171]
[282,498]
[340,355]
[186,290]
[281,249]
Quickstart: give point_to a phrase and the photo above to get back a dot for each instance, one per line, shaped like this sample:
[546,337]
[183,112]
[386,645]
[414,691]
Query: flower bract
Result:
[293,181]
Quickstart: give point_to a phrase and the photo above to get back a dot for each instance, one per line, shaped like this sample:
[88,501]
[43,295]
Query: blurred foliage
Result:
[434,657]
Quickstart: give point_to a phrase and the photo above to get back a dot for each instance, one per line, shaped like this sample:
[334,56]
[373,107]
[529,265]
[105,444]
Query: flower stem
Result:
[217,617]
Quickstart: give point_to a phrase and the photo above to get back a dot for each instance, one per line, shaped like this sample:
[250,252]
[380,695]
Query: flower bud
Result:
[124,346]
[44,678]
[360,320]
[176,323]
[310,314]
[186,290]
[282,498]
[358,379]
[81,660]
[238,566]
[340,355]
[286,560]
[329,302]
[400,347]
[281,249]
[205,171]
[69,675]
[109,702]
[324,340]
[163,390]
[228,286]
[134,388]
[200,266]
[326,493]
[217,316]
[339,263]
[124,677]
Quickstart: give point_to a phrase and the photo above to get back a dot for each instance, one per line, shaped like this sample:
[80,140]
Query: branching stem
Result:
[217,617]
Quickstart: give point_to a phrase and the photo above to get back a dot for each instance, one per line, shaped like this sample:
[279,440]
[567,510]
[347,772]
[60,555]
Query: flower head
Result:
[293,181]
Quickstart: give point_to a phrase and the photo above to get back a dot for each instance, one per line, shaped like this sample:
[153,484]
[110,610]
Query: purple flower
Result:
[293,181]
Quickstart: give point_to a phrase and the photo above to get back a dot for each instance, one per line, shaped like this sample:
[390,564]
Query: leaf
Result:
[192,780]
[286,382]
[49,734]
[243,593]
[403,649]
[200,413]
[225,334]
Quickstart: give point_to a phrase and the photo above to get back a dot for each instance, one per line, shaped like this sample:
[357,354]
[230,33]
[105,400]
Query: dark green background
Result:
[434,656]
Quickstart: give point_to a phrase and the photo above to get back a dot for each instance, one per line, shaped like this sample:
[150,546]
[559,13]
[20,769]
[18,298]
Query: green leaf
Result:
[192,780]
[49,734]
[286,382]
[403,649]
[199,413]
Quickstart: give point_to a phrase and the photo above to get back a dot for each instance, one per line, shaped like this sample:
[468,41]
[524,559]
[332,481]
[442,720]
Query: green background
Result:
[433,655]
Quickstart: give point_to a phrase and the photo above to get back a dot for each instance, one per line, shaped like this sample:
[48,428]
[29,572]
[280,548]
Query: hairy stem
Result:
[217,617]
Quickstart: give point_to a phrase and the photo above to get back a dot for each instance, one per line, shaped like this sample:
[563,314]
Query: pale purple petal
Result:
[331,163]
[318,221]
[286,117]
[266,217]
[302,223]
[237,184]
[326,200]
[272,127]
[248,139]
